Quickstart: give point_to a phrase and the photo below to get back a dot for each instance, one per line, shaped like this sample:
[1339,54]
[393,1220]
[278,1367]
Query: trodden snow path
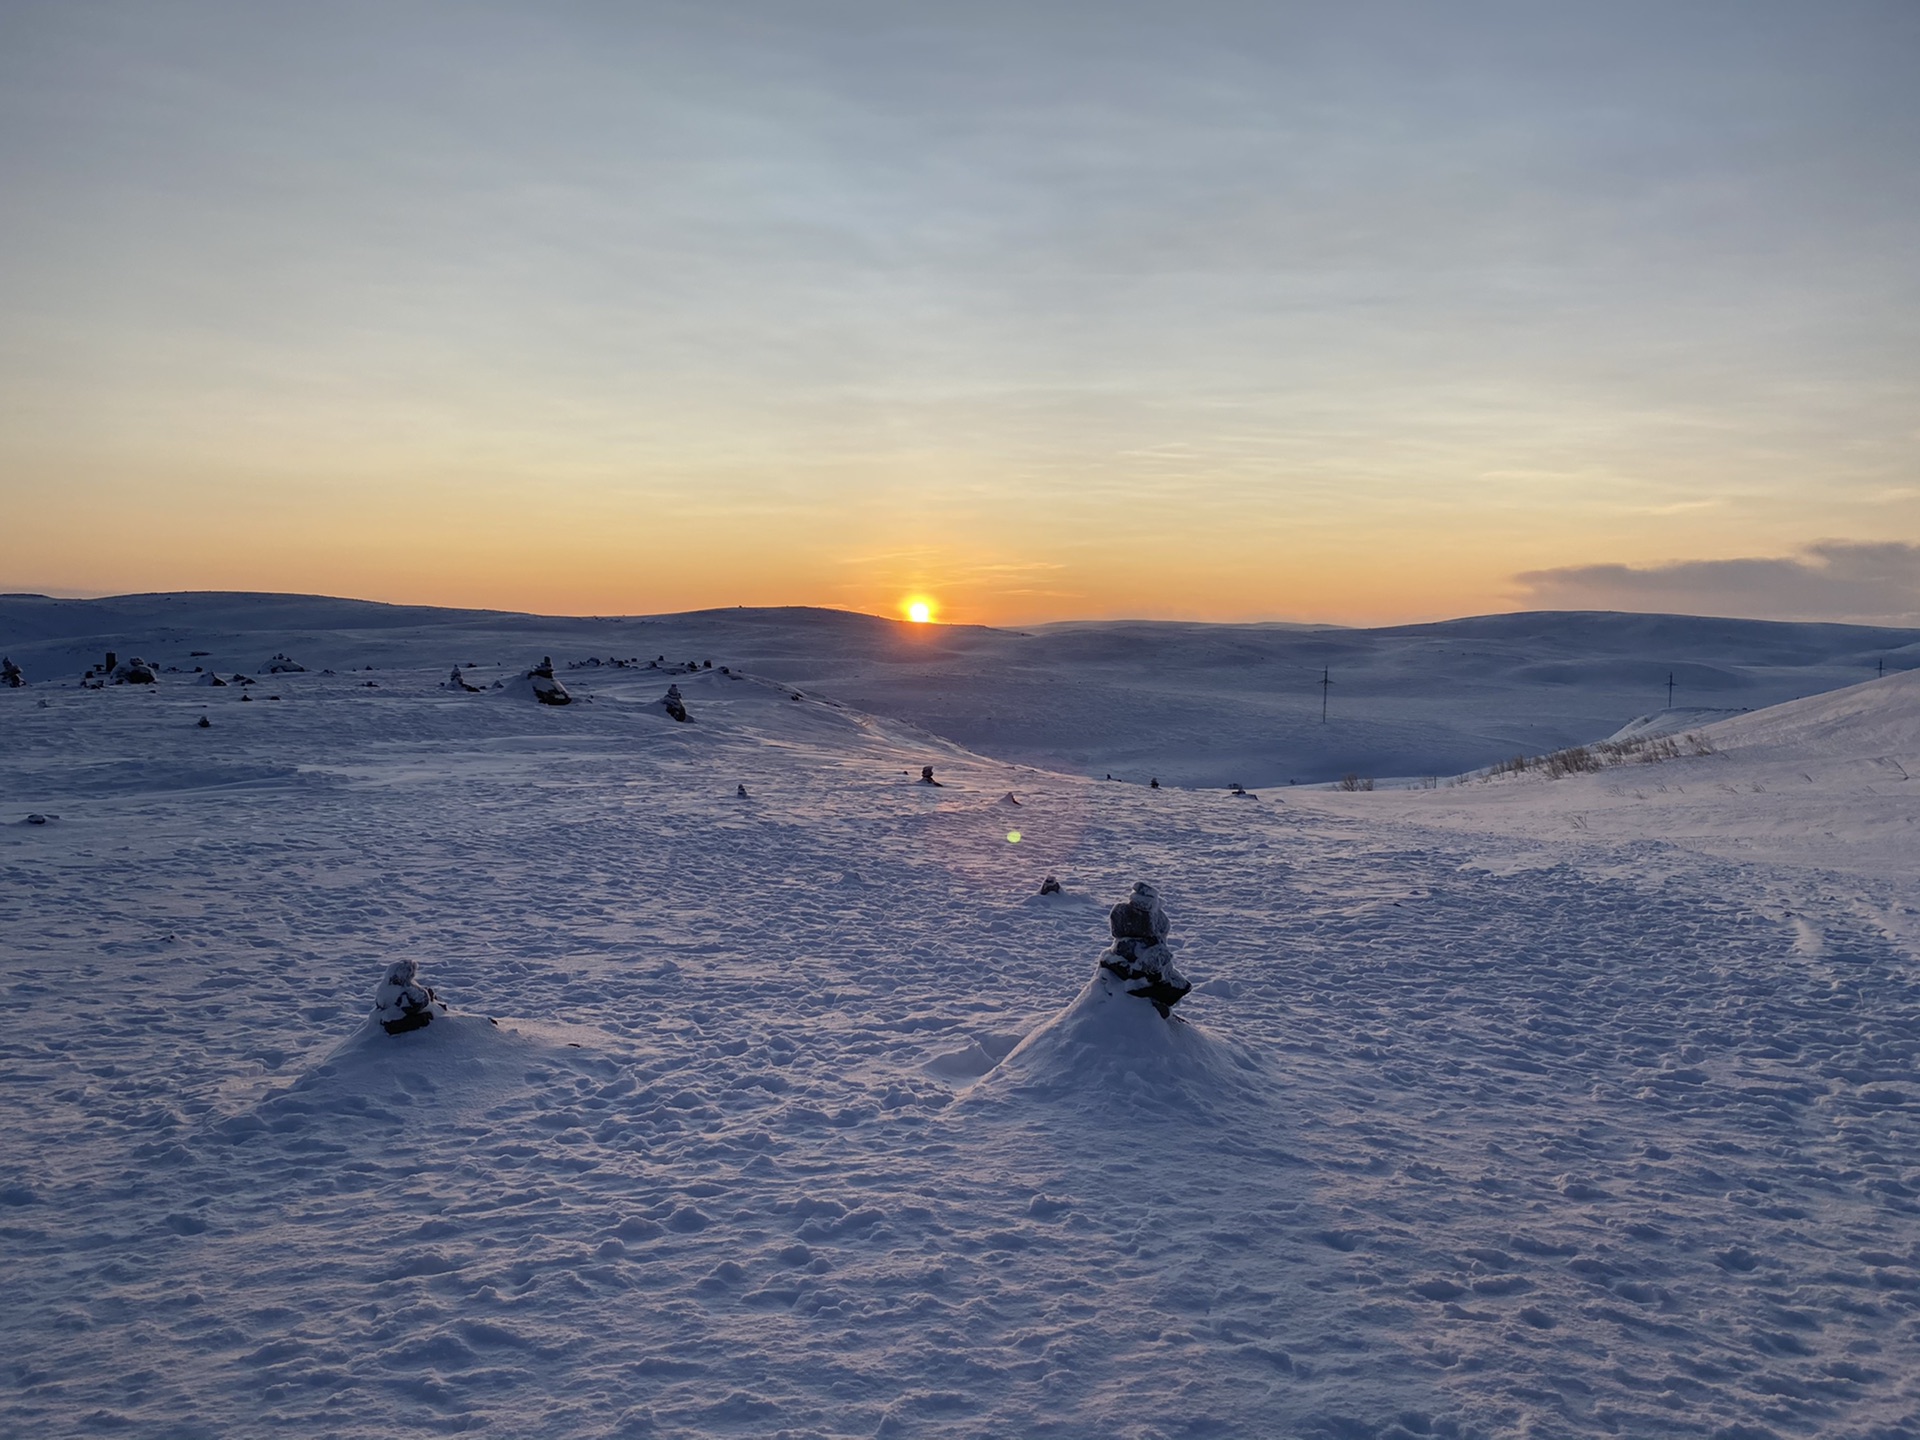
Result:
[1483,1123]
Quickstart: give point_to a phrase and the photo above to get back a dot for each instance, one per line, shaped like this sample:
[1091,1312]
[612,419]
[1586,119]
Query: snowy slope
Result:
[1522,1108]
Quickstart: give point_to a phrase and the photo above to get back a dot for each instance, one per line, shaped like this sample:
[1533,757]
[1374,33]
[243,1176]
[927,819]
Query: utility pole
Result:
[1326,683]
[1883,669]
[1669,689]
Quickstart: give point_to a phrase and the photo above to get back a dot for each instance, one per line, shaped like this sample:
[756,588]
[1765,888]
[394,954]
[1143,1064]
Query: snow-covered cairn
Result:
[457,681]
[135,672]
[1139,957]
[401,1005]
[10,676]
[546,689]
[674,704]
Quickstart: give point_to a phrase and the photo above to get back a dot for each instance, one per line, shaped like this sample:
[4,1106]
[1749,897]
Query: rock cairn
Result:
[10,675]
[399,1004]
[1050,886]
[135,672]
[1139,956]
[457,681]
[674,704]
[546,689]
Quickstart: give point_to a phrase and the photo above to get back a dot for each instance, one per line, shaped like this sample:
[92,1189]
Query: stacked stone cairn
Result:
[399,1003]
[674,705]
[1139,956]
[546,689]
[10,676]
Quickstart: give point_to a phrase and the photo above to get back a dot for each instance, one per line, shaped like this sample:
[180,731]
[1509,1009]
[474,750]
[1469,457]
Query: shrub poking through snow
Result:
[674,704]
[1584,759]
[1139,955]
[400,1004]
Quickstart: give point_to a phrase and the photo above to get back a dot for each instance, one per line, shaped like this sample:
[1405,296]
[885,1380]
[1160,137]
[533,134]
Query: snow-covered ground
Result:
[1519,1108]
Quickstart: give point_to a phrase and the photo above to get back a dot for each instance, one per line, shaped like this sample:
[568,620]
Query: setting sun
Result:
[920,612]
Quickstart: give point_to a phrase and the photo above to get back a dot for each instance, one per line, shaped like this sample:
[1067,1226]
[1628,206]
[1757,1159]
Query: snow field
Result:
[801,1118]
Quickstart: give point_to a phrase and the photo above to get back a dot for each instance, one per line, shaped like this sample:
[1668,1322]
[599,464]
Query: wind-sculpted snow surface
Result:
[800,1117]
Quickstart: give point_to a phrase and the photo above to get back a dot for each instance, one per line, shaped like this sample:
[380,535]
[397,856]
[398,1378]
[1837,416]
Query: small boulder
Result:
[1050,886]
[283,665]
[135,672]
[204,723]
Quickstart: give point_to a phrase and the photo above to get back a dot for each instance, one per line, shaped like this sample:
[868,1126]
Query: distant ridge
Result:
[1184,702]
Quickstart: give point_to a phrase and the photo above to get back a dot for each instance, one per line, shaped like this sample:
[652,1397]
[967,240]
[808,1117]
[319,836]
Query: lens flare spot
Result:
[1013,837]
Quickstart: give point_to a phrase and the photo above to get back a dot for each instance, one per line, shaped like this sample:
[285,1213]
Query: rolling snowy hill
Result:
[1193,705]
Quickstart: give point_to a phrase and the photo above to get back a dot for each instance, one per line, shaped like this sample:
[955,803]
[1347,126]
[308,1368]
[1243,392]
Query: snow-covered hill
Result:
[1193,705]
[1526,1107]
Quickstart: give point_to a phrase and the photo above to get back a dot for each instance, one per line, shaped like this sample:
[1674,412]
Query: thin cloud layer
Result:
[1828,580]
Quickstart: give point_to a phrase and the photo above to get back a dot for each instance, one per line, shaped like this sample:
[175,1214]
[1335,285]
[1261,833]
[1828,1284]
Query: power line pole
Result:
[1883,669]
[1326,683]
[1669,689]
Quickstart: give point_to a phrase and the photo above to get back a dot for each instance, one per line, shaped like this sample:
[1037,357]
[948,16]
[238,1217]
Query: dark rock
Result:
[926,775]
[283,665]
[1050,886]
[674,705]
[205,723]
[10,675]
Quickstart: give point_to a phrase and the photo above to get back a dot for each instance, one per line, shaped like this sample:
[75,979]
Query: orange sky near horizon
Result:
[1218,312]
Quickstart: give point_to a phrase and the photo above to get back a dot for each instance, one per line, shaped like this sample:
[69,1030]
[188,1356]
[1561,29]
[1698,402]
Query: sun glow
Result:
[920,612]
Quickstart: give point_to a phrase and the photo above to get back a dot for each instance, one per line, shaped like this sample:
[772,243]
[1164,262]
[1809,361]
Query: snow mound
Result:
[381,1083]
[1111,1052]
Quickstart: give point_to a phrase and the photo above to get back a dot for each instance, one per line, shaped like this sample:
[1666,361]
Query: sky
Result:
[1359,312]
